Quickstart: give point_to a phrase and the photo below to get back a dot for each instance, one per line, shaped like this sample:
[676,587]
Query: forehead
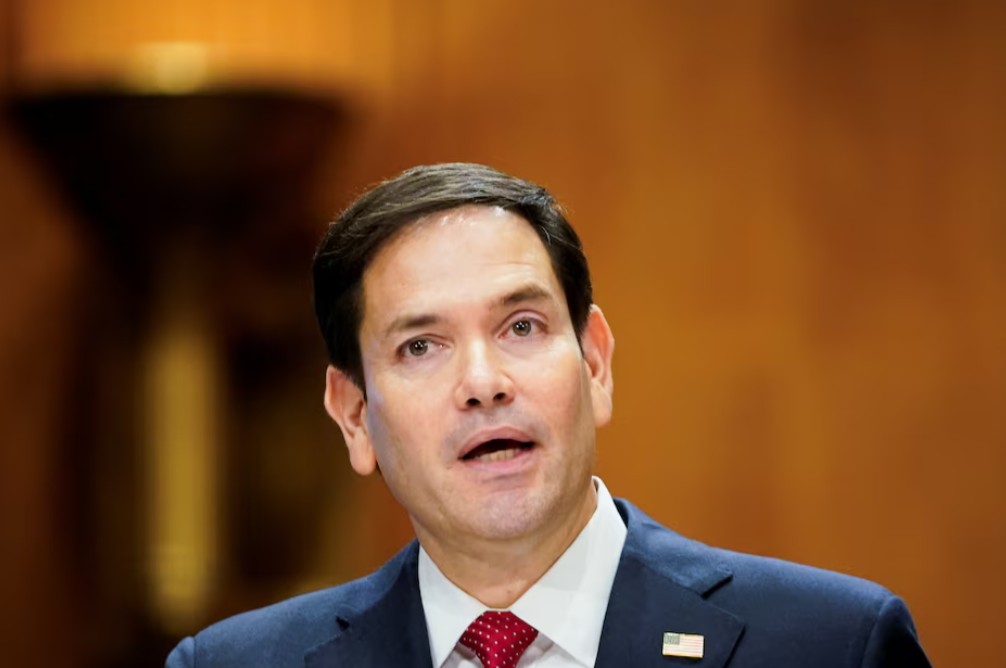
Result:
[457,254]
[448,238]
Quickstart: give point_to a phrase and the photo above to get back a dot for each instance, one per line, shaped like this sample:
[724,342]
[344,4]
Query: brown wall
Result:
[796,222]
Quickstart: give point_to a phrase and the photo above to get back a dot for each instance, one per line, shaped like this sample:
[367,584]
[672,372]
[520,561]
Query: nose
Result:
[484,381]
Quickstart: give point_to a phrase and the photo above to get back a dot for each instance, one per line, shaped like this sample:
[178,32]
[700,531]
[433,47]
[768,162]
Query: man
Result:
[470,367]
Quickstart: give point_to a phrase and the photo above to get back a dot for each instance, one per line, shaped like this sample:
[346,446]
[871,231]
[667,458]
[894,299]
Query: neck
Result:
[498,572]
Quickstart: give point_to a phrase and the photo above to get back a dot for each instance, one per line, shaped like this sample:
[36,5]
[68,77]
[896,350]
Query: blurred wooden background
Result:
[795,214]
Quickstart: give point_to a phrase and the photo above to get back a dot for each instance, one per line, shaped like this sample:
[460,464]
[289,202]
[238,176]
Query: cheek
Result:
[398,426]
[382,427]
[564,393]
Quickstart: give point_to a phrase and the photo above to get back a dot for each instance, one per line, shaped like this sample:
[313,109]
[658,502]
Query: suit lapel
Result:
[391,632]
[660,586]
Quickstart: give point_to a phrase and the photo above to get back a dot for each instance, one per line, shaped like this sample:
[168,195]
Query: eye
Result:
[522,327]
[417,348]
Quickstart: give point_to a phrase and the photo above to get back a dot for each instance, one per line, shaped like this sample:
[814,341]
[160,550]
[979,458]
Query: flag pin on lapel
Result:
[688,645]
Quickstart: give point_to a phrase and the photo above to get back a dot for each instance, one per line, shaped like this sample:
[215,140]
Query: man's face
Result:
[480,406]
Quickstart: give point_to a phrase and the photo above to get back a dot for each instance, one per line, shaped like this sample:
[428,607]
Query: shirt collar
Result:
[567,605]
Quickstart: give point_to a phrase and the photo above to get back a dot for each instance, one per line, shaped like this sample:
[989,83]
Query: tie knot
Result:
[498,638]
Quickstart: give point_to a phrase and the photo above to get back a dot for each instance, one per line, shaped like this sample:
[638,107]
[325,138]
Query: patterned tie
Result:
[498,638]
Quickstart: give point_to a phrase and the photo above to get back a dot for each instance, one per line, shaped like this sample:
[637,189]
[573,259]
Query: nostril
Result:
[472,401]
[500,396]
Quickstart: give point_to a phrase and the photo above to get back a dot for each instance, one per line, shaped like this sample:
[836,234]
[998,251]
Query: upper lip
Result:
[494,433]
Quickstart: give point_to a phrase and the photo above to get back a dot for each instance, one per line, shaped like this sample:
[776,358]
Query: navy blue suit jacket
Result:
[753,612]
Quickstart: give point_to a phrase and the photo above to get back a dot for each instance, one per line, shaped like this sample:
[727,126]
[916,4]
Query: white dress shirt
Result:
[567,605]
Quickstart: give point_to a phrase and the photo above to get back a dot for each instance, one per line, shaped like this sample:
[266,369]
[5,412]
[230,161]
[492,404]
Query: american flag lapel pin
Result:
[688,645]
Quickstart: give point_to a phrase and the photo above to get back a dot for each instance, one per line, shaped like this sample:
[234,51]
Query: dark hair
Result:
[355,237]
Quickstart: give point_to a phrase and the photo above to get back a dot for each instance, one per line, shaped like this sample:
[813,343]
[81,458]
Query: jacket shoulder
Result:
[718,573]
[280,634]
[818,614]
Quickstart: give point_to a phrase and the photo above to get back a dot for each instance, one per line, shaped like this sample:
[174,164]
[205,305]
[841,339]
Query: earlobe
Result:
[346,405]
[598,348]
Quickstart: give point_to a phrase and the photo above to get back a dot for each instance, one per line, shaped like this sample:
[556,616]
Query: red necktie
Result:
[498,638]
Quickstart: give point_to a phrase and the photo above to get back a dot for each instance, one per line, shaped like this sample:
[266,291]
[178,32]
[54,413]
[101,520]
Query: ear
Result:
[598,346]
[346,405]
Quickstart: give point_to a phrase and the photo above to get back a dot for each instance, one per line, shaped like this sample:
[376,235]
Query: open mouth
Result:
[497,450]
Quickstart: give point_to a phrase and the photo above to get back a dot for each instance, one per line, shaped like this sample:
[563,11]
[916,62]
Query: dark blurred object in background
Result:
[197,214]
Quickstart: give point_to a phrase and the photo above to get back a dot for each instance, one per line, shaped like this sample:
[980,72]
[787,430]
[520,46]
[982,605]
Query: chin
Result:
[508,518]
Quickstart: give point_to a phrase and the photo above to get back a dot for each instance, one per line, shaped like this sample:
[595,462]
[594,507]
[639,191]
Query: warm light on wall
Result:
[182,409]
[169,67]
[176,45]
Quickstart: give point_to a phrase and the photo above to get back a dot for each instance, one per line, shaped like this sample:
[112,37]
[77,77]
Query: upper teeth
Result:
[498,455]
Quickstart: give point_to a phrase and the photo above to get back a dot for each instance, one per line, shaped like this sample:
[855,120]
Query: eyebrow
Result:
[528,293]
[404,322]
